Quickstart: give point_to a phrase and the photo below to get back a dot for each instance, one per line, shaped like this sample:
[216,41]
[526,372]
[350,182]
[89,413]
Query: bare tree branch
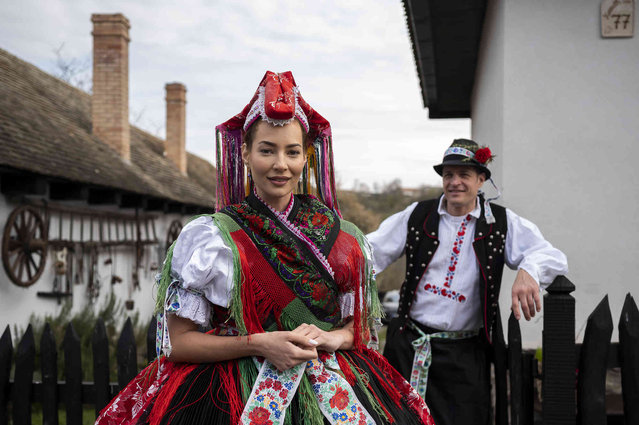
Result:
[72,70]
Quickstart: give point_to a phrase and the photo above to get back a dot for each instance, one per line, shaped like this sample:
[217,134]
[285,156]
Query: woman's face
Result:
[276,158]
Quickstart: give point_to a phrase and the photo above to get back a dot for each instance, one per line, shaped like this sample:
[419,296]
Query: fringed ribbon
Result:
[335,396]
[368,310]
[163,280]
[226,226]
[424,356]
[248,375]
[397,381]
[387,386]
[228,372]
[322,391]
[230,167]
[488,212]
[272,393]
[320,165]
[364,384]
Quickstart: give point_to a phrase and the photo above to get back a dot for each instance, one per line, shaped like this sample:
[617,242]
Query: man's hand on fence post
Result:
[526,293]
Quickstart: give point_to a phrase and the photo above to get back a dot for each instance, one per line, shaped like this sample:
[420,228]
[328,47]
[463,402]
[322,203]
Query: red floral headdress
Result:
[278,101]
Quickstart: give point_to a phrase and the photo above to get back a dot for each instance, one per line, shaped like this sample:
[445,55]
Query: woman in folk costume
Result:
[285,284]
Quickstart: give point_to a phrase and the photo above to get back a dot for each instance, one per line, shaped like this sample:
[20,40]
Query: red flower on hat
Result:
[483,155]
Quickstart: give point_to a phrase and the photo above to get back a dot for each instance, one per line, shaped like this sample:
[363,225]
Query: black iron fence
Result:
[573,377]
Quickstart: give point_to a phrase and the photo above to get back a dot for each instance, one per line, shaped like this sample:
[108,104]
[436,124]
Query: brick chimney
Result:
[176,125]
[110,100]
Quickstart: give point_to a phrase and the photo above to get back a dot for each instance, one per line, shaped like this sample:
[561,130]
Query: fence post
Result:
[559,363]
[150,340]
[593,366]
[100,345]
[6,355]
[529,370]
[73,376]
[629,355]
[23,378]
[127,355]
[515,369]
[500,365]
[49,367]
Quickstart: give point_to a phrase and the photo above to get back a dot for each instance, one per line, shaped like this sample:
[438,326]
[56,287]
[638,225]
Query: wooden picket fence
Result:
[22,391]
[573,377]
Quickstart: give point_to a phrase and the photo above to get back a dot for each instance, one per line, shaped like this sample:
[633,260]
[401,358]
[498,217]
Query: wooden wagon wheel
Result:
[174,231]
[24,246]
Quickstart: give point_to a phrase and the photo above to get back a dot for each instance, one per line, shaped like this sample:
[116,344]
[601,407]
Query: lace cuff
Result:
[347,304]
[192,305]
[186,303]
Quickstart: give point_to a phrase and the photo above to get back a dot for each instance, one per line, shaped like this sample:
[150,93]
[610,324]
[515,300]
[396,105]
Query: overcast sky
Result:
[352,60]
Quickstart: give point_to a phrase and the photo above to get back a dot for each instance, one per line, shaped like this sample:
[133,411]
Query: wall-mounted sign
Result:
[617,18]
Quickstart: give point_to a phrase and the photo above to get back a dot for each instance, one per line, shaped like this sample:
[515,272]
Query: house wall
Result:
[18,304]
[559,104]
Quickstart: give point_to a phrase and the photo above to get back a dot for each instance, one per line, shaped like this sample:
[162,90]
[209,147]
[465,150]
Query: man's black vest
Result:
[488,244]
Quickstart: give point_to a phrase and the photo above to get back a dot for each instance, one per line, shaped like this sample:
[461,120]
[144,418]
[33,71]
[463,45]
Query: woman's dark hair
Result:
[247,138]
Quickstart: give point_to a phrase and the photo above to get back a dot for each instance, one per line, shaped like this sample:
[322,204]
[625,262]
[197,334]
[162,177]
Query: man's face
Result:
[461,184]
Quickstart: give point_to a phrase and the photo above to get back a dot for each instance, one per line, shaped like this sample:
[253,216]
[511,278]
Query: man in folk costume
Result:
[456,247]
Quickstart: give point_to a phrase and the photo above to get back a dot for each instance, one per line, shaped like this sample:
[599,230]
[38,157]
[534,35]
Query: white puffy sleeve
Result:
[527,249]
[202,271]
[388,240]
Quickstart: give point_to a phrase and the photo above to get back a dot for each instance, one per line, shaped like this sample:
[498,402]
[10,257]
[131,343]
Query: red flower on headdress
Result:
[483,155]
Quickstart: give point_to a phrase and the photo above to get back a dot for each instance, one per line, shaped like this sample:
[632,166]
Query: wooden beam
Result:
[191,209]
[132,200]
[22,184]
[205,210]
[174,207]
[155,204]
[101,196]
[68,191]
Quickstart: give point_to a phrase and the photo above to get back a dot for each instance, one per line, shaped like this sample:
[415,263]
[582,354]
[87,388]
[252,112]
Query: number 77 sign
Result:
[617,18]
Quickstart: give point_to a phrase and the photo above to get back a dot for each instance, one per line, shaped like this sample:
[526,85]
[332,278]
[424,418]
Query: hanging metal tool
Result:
[59,273]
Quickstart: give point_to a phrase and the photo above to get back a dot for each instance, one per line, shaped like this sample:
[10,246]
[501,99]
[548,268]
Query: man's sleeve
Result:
[389,239]
[527,249]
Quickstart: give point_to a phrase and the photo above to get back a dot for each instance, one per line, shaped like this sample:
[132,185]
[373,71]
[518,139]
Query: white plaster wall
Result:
[487,103]
[18,304]
[569,141]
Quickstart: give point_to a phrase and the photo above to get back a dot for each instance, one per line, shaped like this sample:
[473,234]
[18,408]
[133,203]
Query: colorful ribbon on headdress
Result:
[278,101]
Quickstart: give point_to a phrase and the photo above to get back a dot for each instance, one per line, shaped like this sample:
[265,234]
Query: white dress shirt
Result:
[525,248]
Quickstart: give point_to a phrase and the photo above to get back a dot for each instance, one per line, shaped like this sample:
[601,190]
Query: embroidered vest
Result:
[488,244]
